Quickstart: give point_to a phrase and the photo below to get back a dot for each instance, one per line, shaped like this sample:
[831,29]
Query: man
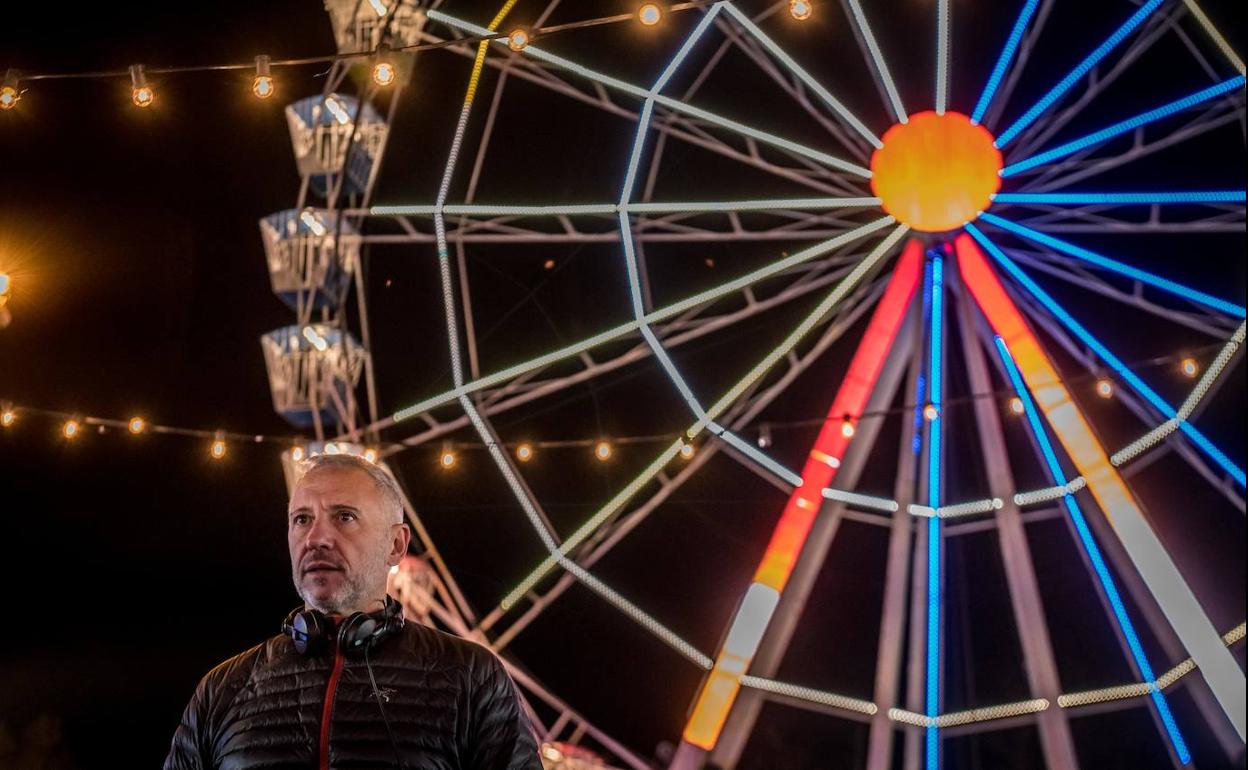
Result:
[348,684]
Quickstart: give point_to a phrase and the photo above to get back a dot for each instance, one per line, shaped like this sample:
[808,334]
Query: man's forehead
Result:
[347,486]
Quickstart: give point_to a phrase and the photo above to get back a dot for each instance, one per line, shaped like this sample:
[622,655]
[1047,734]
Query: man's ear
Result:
[398,546]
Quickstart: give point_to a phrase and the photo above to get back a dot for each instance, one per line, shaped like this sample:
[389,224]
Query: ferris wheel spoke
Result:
[942,55]
[866,40]
[1042,131]
[1114,266]
[1122,127]
[1107,356]
[1074,168]
[1004,60]
[1123,199]
[1075,75]
[1050,263]
[666,101]
[1215,35]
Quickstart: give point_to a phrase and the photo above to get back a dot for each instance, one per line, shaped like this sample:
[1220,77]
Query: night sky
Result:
[134,564]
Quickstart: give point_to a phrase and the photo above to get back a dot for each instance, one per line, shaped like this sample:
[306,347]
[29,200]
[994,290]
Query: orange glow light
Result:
[936,172]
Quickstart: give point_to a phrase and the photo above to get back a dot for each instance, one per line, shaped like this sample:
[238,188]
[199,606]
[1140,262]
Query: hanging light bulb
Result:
[1016,405]
[1104,388]
[524,452]
[518,39]
[800,9]
[370,455]
[217,450]
[930,412]
[137,425]
[5,283]
[650,14]
[602,451]
[686,451]
[384,71]
[764,436]
[140,92]
[262,86]
[1189,367]
[70,429]
[847,428]
[7,417]
[337,110]
[296,454]
[10,93]
[447,460]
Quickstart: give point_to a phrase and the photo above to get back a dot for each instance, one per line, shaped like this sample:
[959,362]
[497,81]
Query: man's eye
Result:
[347,515]
[300,519]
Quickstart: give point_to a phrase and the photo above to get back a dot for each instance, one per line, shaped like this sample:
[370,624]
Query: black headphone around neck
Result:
[311,630]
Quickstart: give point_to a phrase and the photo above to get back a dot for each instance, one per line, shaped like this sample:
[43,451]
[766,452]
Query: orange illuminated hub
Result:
[936,172]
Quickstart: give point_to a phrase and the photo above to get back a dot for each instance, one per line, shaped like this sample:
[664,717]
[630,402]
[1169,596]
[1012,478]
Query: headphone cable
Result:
[377,696]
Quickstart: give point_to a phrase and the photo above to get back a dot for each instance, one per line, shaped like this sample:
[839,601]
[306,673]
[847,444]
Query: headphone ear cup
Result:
[308,629]
[355,631]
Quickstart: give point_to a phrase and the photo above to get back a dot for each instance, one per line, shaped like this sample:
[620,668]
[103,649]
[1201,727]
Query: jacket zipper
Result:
[331,690]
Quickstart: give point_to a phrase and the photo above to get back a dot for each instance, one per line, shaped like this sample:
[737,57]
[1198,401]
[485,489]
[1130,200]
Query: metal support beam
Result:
[1033,632]
[775,642]
[896,574]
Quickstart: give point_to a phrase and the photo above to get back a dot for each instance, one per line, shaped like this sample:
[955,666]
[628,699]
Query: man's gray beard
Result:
[354,590]
[342,602]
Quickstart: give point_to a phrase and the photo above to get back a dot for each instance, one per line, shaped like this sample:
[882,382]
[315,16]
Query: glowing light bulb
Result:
[137,425]
[336,109]
[296,454]
[930,412]
[524,452]
[549,264]
[686,451]
[384,71]
[1189,367]
[309,218]
[649,14]
[1104,388]
[602,450]
[10,94]
[140,92]
[70,428]
[447,460]
[800,9]
[1016,405]
[847,428]
[5,283]
[332,449]
[370,455]
[7,417]
[518,39]
[262,86]
[217,450]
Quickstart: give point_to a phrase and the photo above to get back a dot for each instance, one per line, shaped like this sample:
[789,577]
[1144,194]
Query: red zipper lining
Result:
[331,690]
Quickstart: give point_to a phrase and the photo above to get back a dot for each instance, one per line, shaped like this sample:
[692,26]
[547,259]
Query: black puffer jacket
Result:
[451,706]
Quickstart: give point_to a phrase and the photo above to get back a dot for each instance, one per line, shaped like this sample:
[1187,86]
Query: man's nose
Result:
[320,534]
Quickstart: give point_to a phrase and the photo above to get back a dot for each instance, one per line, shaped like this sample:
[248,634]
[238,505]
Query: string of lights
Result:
[384,71]
[72,425]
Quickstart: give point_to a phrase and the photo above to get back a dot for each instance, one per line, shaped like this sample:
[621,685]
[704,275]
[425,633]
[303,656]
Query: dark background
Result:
[133,565]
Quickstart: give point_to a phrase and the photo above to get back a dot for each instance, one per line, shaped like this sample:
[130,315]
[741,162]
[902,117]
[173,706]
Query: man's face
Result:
[342,542]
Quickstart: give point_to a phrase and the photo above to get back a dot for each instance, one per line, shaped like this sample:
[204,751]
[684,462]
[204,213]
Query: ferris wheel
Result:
[946,257]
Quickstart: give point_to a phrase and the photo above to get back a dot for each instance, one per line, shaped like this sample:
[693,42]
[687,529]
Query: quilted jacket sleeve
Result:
[499,736]
[189,749]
